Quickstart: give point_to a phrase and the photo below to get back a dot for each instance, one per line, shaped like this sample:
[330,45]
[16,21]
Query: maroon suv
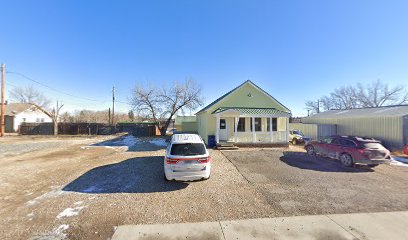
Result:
[350,150]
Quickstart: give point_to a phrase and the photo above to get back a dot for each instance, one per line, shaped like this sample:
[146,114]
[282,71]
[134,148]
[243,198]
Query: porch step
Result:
[227,148]
[225,144]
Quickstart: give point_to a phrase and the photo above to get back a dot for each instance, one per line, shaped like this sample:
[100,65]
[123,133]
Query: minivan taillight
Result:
[171,161]
[205,160]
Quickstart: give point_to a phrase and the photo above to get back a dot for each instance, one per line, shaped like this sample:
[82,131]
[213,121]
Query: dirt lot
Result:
[83,192]
[297,184]
[82,188]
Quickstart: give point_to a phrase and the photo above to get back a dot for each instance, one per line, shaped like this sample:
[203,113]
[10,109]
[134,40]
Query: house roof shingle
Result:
[13,109]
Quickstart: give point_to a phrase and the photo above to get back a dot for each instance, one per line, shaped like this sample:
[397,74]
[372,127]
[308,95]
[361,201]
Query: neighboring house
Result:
[186,124]
[388,124]
[245,115]
[17,113]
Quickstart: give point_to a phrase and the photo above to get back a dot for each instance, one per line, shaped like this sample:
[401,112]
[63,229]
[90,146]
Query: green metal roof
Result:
[251,111]
[228,93]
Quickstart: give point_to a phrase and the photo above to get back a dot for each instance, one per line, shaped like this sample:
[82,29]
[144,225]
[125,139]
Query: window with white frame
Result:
[241,125]
[258,124]
[274,124]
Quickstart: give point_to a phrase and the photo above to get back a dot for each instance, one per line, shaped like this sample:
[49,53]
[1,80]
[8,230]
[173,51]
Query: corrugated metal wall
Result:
[315,131]
[310,130]
[405,131]
[387,129]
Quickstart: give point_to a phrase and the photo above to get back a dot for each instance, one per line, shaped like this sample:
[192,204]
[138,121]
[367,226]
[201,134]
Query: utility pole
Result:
[3,107]
[55,116]
[109,116]
[113,105]
[308,111]
[318,106]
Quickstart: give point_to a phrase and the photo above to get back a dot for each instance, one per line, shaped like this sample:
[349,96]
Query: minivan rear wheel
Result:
[346,160]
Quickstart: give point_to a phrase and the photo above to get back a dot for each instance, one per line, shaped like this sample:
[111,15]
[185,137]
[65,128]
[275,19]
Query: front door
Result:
[223,130]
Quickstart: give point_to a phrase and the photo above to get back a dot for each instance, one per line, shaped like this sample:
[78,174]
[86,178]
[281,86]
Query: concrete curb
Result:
[385,225]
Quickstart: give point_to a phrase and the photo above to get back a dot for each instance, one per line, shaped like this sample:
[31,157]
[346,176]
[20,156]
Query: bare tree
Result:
[29,95]
[313,106]
[379,94]
[131,115]
[161,105]
[55,116]
[66,117]
[376,94]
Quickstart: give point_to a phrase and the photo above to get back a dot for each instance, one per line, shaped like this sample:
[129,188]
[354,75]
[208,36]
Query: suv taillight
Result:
[205,160]
[171,161]
[364,152]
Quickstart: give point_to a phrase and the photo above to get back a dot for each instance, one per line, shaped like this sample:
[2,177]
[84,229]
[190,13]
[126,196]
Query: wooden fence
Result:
[136,129]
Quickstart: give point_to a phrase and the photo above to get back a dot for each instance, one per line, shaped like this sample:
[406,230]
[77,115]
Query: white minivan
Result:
[187,158]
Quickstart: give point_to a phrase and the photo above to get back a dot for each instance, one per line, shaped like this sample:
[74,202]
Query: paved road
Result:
[367,226]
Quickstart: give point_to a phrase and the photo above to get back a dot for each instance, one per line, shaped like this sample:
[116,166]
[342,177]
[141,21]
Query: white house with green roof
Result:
[245,115]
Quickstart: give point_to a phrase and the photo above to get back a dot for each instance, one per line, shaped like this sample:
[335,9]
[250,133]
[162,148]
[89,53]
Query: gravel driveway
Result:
[83,191]
[296,184]
[84,188]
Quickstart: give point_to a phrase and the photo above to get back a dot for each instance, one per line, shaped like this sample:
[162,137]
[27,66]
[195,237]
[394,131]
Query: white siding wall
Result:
[30,117]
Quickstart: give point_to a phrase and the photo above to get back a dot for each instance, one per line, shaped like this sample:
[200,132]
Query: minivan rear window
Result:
[187,149]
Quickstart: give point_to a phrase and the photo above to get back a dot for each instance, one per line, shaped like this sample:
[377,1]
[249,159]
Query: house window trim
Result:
[259,124]
[242,124]
[274,123]
[224,126]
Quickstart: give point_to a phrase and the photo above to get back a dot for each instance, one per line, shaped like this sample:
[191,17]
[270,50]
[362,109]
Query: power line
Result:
[54,89]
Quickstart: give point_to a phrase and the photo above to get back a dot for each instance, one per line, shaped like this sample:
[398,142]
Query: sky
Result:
[294,50]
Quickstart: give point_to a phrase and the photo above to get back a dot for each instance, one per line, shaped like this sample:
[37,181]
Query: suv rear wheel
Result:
[165,178]
[346,160]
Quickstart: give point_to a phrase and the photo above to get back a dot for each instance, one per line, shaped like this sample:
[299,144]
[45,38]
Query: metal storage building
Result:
[388,124]
[315,131]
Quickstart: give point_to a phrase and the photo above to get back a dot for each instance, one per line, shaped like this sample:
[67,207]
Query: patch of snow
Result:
[92,189]
[69,212]
[57,233]
[397,163]
[158,142]
[129,140]
[30,216]
[60,231]
[401,159]
[78,203]
[53,193]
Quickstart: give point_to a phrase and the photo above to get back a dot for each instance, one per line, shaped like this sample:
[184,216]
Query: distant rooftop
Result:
[395,110]
[16,108]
